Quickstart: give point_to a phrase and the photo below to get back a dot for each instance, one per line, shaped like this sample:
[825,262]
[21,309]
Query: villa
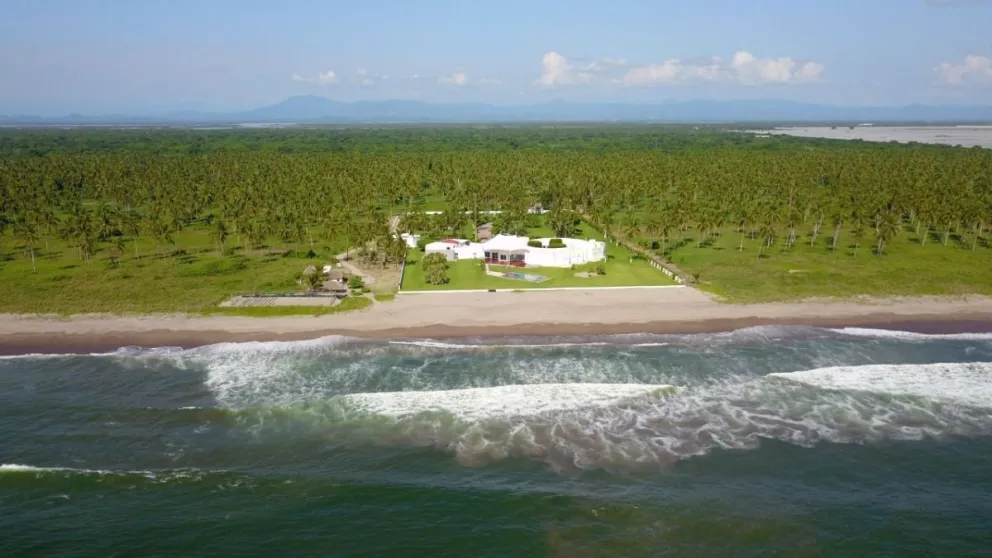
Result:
[517,251]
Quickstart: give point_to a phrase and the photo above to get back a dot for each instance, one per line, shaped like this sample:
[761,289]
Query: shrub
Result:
[534,243]
[435,268]
[356,282]
[601,268]
[655,245]
[556,243]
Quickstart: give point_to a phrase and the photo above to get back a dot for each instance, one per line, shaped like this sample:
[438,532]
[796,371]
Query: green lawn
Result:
[469,274]
[906,267]
[190,276]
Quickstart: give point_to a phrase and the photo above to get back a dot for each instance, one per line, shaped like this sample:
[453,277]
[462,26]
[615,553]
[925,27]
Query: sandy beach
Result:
[443,315]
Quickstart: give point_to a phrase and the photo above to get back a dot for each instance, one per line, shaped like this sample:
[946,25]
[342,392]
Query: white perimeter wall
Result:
[575,252]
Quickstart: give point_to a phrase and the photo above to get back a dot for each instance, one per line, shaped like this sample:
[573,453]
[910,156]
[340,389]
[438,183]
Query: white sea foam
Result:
[154,476]
[274,346]
[501,401]
[17,468]
[962,383]
[430,344]
[909,335]
[629,425]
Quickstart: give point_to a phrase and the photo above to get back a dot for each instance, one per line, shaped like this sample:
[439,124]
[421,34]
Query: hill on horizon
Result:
[316,109]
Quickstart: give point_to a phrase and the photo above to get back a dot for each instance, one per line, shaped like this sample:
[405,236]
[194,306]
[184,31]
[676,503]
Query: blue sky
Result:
[126,56]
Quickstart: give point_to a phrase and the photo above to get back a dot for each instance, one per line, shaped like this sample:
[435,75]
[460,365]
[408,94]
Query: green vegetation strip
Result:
[147,221]
[347,305]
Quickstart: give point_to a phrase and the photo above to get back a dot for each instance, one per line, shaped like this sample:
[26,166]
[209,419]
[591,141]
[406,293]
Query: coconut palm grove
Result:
[179,219]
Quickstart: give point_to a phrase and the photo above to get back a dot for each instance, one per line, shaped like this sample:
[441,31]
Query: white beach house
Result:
[510,250]
[516,251]
[455,249]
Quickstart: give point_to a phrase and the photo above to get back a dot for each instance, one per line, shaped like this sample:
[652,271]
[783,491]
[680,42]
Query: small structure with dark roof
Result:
[484,232]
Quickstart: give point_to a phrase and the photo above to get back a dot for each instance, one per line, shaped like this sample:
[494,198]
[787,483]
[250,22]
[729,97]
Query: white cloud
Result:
[366,77]
[457,78]
[974,69]
[415,76]
[672,70]
[744,68]
[557,70]
[326,78]
[603,64]
[756,71]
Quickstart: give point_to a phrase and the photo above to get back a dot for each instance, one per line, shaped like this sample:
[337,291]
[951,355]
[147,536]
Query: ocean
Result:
[766,441]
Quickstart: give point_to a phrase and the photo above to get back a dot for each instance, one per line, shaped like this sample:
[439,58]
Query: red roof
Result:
[451,241]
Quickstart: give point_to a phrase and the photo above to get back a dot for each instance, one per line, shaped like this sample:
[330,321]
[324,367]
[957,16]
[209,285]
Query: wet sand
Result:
[477,314]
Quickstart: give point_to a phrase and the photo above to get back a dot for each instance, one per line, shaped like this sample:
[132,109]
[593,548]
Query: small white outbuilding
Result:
[411,240]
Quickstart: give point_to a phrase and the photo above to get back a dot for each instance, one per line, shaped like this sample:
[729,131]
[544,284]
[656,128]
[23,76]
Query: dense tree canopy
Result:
[98,198]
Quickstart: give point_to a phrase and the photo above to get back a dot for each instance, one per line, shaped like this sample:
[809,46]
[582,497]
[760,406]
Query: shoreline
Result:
[501,314]
[84,343]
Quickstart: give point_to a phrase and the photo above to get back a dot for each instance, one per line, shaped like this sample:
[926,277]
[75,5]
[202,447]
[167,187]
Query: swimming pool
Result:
[525,276]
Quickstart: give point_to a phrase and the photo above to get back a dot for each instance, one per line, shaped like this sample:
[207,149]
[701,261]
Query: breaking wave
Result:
[611,402]
[909,335]
[577,411]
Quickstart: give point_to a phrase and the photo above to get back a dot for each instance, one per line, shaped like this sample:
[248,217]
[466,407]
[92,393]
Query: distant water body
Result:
[785,441]
[965,136]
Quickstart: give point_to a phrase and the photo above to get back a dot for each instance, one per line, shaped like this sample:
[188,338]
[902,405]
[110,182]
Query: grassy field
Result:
[621,271]
[907,267]
[190,276]
[346,305]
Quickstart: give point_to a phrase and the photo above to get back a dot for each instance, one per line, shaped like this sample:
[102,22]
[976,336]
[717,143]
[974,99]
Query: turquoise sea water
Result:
[770,441]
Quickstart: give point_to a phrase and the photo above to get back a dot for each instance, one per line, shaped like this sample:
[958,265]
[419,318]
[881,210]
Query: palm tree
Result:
[28,234]
[767,234]
[117,247]
[791,222]
[312,279]
[858,233]
[888,227]
[221,233]
[131,222]
[837,218]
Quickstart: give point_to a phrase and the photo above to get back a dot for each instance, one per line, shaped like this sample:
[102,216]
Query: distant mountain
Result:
[316,109]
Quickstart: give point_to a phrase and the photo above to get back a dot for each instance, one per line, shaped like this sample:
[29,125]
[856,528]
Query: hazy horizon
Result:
[61,57]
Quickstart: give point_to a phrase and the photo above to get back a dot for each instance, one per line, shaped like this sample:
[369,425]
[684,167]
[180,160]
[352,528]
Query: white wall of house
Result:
[575,252]
[464,250]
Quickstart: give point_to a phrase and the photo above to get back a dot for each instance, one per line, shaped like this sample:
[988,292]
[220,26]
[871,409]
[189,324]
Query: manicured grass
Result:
[385,297]
[906,267]
[189,276]
[348,304]
[621,271]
